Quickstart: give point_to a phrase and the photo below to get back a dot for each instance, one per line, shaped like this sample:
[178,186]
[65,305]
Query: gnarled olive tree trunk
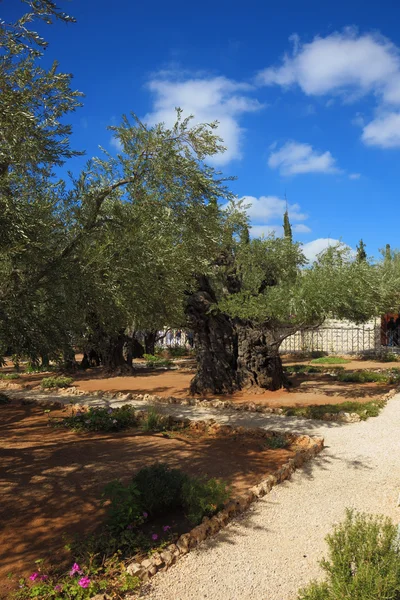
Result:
[259,363]
[215,343]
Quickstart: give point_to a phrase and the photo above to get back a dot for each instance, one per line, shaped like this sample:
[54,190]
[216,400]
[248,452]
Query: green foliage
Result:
[98,418]
[157,361]
[56,382]
[178,352]
[363,564]
[364,409]
[203,498]
[311,369]
[93,575]
[287,228]
[330,360]
[389,376]
[124,505]
[276,441]
[160,488]
[361,253]
[154,421]
[10,376]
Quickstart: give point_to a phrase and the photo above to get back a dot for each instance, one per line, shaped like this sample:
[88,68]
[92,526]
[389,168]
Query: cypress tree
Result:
[361,253]
[287,228]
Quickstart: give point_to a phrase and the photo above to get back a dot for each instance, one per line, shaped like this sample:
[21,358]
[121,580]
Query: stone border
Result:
[340,417]
[161,561]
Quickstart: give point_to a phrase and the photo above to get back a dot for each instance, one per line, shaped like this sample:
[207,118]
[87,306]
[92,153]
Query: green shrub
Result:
[98,418]
[9,376]
[154,421]
[157,361]
[56,382]
[330,360]
[178,351]
[364,561]
[160,488]
[124,508]
[276,441]
[203,498]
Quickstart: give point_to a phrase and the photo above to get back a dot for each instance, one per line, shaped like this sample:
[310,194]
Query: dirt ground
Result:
[51,479]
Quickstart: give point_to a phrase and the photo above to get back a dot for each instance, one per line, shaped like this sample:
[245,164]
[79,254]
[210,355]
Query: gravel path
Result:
[275,547]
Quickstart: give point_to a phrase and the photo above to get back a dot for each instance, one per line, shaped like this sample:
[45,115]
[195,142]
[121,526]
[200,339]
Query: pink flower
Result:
[34,576]
[84,582]
[58,588]
[154,537]
[44,577]
[75,569]
[145,514]
[166,528]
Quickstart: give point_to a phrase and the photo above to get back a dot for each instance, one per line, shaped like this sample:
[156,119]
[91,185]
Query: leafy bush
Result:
[330,360]
[56,382]
[157,361]
[98,418]
[154,421]
[364,561]
[160,488]
[276,441]
[124,508]
[10,376]
[178,351]
[203,498]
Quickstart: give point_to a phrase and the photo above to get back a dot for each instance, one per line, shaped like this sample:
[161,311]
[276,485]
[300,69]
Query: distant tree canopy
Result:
[361,253]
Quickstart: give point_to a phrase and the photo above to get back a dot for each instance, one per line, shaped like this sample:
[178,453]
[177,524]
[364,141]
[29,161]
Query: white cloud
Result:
[301,228]
[341,63]
[208,99]
[294,158]
[348,65]
[312,249]
[384,131]
[267,208]
[354,175]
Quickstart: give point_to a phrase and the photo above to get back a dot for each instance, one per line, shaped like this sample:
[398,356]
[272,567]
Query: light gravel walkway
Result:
[276,546]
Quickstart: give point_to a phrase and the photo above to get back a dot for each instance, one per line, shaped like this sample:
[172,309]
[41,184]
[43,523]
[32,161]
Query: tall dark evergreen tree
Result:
[361,253]
[388,253]
[287,228]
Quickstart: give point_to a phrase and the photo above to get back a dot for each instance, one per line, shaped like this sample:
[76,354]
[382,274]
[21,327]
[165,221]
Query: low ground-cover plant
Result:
[330,360]
[9,376]
[56,382]
[363,564]
[276,442]
[388,376]
[317,411]
[84,579]
[299,369]
[154,421]
[156,361]
[99,418]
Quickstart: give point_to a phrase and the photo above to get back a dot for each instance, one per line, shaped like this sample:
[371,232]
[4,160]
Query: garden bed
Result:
[58,475]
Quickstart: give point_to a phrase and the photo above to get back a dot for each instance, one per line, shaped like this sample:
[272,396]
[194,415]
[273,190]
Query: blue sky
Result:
[307,94]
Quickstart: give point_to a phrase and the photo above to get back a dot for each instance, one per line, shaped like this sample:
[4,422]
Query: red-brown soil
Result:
[51,479]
